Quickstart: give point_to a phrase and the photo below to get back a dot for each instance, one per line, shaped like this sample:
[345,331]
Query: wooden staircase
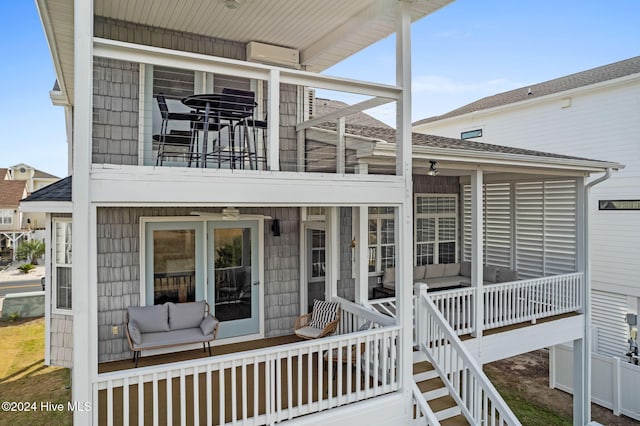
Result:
[435,392]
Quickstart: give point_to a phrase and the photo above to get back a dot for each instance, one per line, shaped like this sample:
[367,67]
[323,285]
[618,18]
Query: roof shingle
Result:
[562,84]
[11,192]
[57,191]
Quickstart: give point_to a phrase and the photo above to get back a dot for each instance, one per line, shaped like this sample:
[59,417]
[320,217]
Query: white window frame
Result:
[436,216]
[4,214]
[379,217]
[55,265]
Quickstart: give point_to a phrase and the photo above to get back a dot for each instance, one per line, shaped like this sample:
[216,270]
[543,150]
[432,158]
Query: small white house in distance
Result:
[204,171]
[594,114]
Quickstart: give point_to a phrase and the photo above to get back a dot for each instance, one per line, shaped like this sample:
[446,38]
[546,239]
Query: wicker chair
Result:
[322,321]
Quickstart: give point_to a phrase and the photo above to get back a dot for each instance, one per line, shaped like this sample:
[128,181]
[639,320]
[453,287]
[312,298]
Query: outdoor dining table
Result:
[206,104]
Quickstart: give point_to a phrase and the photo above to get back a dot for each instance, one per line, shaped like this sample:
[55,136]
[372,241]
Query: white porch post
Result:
[333,243]
[404,217]
[359,220]
[85,330]
[273,121]
[582,347]
[477,250]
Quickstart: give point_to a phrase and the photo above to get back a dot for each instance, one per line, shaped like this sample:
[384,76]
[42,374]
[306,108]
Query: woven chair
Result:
[322,321]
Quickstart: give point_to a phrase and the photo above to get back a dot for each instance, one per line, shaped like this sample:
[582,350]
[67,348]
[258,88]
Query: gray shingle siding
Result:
[118,263]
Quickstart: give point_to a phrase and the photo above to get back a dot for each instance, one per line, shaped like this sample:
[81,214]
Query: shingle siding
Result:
[118,262]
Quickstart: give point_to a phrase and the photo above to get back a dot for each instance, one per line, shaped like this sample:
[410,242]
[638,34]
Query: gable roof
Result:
[3,173]
[11,192]
[562,84]
[57,191]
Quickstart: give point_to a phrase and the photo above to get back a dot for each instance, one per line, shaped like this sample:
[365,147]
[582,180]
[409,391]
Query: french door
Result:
[233,280]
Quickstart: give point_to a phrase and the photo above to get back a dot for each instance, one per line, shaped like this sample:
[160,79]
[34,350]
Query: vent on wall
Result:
[273,55]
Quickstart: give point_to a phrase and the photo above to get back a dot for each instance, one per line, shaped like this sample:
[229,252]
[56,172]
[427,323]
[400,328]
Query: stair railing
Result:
[478,399]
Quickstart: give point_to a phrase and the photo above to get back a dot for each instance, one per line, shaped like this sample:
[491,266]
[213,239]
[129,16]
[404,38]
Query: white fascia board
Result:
[531,102]
[46,206]
[501,158]
[139,186]
[43,12]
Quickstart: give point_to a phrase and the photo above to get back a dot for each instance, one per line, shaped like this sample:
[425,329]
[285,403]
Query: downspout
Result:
[587,296]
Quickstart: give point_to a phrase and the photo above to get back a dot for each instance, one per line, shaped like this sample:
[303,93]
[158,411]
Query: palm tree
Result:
[32,249]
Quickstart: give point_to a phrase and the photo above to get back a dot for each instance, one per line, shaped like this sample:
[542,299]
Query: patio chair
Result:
[170,139]
[322,321]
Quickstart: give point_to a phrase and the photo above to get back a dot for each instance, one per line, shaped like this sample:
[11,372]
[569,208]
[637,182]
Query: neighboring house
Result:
[284,204]
[593,114]
[11,230]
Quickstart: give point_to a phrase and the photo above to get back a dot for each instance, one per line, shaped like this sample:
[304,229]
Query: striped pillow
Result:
[323,313]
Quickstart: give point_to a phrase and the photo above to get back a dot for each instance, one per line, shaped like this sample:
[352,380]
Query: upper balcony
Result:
[136,52]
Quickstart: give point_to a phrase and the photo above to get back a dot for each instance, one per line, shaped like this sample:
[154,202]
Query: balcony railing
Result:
[505,303]
[253,117]
[261,386]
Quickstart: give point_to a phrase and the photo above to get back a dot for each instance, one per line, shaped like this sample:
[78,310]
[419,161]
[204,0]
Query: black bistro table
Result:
[206,104]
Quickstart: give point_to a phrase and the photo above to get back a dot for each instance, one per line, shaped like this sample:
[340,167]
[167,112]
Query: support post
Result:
[579,383]
[404,214]
[340,146]
[273,120]
[333,240]
[361,252]
[477,248]
[84,297]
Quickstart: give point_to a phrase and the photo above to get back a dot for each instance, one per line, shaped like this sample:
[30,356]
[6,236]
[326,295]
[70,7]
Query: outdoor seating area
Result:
[218,130]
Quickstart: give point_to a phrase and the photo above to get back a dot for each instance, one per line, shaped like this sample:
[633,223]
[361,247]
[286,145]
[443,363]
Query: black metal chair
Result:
[251,152]
[174,141]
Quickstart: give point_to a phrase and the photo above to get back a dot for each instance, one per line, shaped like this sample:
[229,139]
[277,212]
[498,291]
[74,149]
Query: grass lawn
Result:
[25,378]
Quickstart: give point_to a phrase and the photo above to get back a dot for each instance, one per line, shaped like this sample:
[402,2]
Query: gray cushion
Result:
[434,271]
[323,313]
[465,269]
[451,269]
[507,275]
[134,332]
[309,332]
[185,315]
[490,274]
[389,276]
[419,272]
[176,337]
[208,325]
[150,319]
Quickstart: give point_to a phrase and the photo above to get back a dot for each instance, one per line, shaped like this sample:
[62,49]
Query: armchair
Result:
[322,321]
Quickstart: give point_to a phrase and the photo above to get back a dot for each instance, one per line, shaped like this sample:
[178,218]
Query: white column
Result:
[333,245]
[361,253]
[477,249]
[273,120]
[84,301]
[404,214]
[579,384]
[340,146]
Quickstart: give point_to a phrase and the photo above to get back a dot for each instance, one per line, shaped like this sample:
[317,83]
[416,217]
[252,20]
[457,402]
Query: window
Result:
[619,205]
[318,262]
[6,217]
[61,270]
[470,134]
[436,228]
[382,251]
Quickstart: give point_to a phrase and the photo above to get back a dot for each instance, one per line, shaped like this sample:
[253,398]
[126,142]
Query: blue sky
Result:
[465,51]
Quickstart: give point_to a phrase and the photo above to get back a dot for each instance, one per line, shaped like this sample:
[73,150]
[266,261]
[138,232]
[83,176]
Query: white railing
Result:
[354,316]
[423,414]
[256,387]
[457,307]
[478,400]
[504,304]
[530,300]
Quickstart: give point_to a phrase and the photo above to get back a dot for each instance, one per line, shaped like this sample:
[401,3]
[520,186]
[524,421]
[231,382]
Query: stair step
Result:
[443,403]
[430,385]
[458,420]
[435,393]
[427,375]
[447,413]
[419,356]
[423,371]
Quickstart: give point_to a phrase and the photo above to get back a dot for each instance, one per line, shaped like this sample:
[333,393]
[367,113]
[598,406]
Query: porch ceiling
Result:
[324,32]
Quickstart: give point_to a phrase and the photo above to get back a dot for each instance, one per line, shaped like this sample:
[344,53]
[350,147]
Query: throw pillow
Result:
[150,319]
[185,315]
[208,325]
[134,332]
[323,313]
